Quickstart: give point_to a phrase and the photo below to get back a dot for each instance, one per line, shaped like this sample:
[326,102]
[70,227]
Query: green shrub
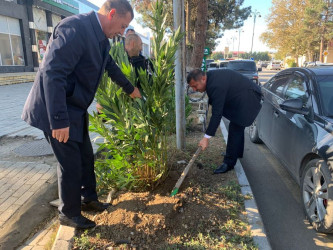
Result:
[134,151]
[291,63]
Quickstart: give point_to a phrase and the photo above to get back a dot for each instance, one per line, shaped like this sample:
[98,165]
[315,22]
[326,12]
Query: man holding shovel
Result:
[66,82]
[233,96]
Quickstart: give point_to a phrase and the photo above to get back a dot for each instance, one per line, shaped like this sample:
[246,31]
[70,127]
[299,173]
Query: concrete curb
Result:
[15,78]
[252,213]
[63,240]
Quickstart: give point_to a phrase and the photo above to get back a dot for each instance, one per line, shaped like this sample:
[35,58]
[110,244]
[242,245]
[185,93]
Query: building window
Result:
[41,43]
[55,20]
[11,49]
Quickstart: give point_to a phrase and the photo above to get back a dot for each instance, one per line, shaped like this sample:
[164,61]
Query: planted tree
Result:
[134,152]
[298,27]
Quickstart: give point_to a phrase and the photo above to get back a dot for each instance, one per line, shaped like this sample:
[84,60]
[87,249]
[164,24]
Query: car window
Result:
[213,65]
[242,66]
[277,84]
[325,84]
[208,61]
[297,89]
[223,64]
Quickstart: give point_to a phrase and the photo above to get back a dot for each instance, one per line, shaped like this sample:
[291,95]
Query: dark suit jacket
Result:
[66,82]
[233,96]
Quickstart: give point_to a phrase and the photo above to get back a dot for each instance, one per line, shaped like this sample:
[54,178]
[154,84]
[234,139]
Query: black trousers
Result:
[235,144]
[76,176]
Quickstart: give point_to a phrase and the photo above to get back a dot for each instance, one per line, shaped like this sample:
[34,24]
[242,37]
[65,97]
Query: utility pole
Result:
[239,32]
[254,13]
[178,17]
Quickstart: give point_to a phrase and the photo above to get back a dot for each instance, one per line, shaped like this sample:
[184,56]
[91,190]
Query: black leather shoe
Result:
[79,222]
[223,169]
[96,206]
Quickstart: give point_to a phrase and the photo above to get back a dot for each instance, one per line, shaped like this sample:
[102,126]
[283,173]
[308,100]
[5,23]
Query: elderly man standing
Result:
[233,96]
[133,47]
[66,82]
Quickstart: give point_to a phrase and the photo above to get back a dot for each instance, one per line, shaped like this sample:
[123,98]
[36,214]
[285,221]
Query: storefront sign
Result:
[68,5]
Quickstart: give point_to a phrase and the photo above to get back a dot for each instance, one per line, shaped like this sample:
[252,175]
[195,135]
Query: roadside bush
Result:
[134,151]
[291,63]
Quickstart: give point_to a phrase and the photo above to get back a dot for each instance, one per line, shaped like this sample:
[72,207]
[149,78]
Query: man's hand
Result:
[204,143]
[61,134]
[99,108]
[136,93]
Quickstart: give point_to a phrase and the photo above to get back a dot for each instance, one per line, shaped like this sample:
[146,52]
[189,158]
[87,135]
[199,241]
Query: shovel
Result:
[182,177]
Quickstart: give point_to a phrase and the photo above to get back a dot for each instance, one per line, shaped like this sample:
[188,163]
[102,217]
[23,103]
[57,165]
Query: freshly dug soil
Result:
[205,214]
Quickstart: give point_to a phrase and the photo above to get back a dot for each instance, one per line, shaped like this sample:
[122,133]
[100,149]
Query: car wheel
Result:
[317,195]
[254,134]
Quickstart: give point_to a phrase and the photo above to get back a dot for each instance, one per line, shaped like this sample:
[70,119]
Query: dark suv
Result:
[247,68]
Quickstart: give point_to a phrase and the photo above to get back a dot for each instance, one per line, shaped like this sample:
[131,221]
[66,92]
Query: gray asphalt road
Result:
[265,75]
[278,197]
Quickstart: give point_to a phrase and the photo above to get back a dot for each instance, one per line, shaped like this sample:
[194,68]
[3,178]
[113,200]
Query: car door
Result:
[273,91]
[293,134]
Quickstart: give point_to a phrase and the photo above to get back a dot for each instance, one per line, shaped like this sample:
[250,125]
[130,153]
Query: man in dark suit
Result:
[233,96]
[66,82]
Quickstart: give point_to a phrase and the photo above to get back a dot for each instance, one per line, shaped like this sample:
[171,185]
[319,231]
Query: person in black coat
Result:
[65,85]
[133,47]
[233,96]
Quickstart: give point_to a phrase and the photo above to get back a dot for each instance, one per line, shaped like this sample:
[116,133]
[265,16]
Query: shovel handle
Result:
[183,175]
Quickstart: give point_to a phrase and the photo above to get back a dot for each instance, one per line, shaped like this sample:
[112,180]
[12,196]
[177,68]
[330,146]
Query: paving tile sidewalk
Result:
[18,182]
[21,178]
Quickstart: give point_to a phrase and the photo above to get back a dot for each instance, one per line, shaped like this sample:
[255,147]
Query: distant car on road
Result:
[245,67]
[217,65]
[274,66]
[315,64]
[213,66]
[208,61]
[259,66]
[223,64]
[264,64]
[296,124]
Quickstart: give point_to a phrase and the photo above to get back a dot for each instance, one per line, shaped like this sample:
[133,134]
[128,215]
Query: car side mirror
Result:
[295,106]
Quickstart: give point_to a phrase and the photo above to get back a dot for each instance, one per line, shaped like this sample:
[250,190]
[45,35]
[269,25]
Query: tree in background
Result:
[284,23]
[216,55]
[257,56]
[298,27]
[205,22]
[318,22]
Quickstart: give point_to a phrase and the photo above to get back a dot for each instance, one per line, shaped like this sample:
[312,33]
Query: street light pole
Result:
[178,10]
[233,40]
[239,32]
[254,13]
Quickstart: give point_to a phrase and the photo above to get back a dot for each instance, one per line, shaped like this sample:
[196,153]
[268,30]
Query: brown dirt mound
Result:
[205,214]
